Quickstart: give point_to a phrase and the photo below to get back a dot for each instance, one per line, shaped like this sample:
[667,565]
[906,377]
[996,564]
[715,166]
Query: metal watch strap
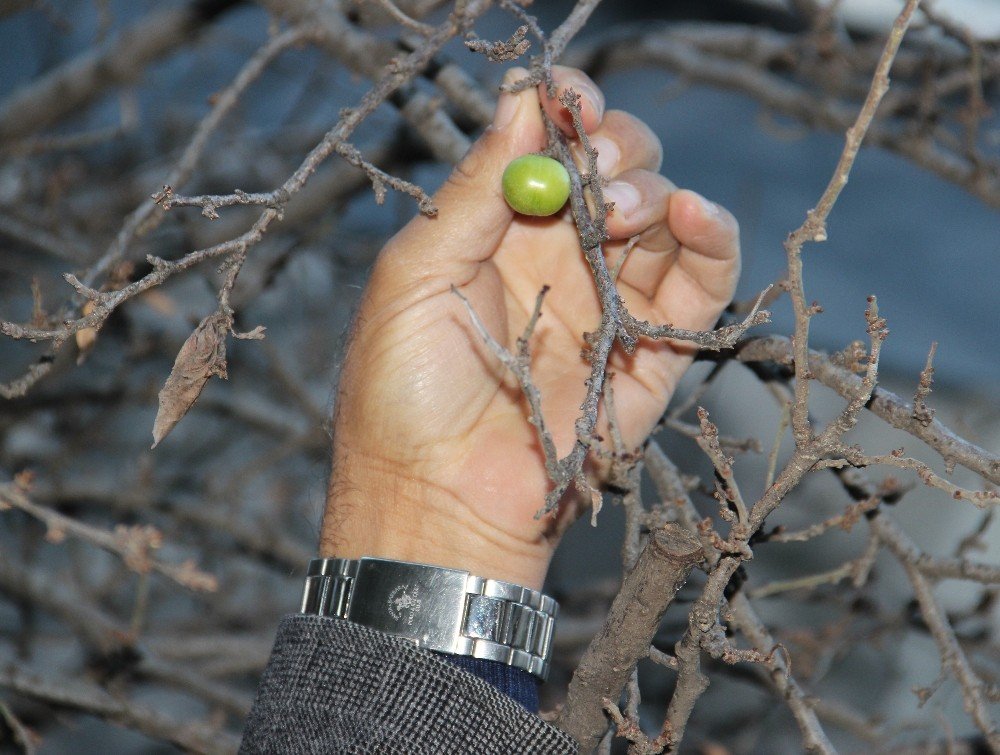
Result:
[447,610]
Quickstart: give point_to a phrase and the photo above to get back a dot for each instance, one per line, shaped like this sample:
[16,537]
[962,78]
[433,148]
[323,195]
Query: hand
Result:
[434,459]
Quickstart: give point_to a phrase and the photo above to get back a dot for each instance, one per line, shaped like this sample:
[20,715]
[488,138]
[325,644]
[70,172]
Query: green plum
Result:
[536,185]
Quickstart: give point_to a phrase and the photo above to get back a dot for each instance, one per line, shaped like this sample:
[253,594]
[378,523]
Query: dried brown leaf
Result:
[85,337]
[202,356]
[160,302]
[25,480]
[596,504]
[55,534]
[135,543]
[38,316]
[189,575]
[257,334]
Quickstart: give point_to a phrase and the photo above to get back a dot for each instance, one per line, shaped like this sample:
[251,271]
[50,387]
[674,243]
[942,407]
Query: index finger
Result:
[591,99]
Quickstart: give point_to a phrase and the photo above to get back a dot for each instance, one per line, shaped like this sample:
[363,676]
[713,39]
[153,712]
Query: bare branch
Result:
[77,82]
[520,367]
[753,61]
[23,737]
[921,412]
[93,700]
[709,443]
[884,404]
[814,739]
[661,570]
[143,219]
[814,229]
[952,656]
[396,75]
[670,488]
[715,340]
[855,457]
[906,550]
[703,624]
[132,544]
[845,521]
[43,240]
[403,19]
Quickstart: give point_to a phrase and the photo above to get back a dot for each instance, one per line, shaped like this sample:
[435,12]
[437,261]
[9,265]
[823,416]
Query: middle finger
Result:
[623,142]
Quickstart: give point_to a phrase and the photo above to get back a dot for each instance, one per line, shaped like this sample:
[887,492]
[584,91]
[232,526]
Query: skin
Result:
[434,460]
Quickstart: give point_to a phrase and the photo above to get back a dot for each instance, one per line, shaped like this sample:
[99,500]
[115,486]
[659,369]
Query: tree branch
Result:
[93,700]
[660,571]
[132,544]
[884,404]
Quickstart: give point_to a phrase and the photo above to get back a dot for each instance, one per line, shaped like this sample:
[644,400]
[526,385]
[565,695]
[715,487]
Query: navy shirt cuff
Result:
[514,682]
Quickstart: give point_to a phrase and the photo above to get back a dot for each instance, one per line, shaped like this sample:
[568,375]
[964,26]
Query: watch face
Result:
[421,603]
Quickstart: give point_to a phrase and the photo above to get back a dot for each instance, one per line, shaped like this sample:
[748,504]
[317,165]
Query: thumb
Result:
[472,213]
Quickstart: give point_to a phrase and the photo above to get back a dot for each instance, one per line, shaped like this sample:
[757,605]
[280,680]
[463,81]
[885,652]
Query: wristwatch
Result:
[447,610]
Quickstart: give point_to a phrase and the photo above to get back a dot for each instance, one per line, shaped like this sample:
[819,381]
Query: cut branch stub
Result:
[202,356]
[660,571]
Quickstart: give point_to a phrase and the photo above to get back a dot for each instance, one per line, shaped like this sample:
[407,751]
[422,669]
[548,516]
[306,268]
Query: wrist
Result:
[376,509]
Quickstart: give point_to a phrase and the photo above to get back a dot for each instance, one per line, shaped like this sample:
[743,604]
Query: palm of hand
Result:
[459,415]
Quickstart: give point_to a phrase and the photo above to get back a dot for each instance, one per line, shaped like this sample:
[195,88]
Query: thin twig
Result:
[952,655]
[814,739]
[520,366]
[92,699]
[144,218]
[883,403]
[22,735]
[404,20]
[814,226]
[132,544]
[855,457]
[921,412]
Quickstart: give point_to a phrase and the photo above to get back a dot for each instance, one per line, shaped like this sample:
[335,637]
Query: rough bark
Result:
[662,568]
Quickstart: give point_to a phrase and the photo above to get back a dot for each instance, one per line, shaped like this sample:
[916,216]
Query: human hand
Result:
[434,458]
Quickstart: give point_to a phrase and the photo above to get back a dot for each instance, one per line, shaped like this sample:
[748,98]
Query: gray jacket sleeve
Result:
[332,686]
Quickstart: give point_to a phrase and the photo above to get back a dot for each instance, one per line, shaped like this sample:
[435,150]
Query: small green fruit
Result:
[536,185]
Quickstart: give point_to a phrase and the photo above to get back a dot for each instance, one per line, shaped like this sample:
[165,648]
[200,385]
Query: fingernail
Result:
[595,96]
[708,209]
[607,154]
[507,107]
[624,195]
[507,104]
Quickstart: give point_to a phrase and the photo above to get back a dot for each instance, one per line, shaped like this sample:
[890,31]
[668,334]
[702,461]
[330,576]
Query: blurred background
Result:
[239,485]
